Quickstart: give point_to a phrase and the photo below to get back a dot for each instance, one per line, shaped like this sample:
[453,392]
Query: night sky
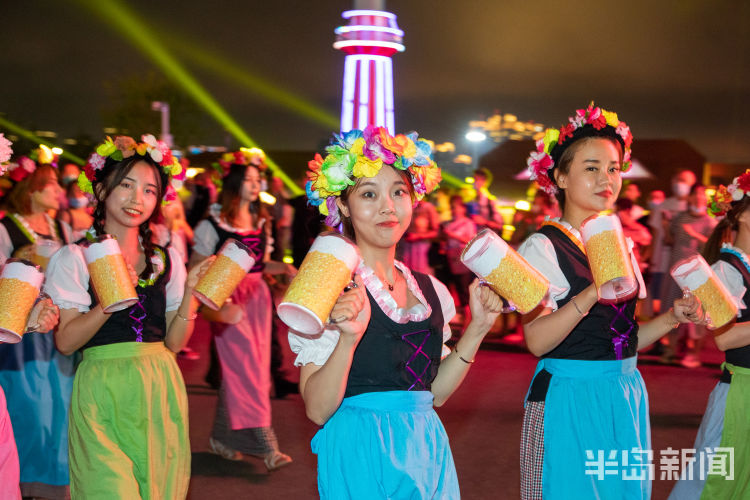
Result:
[671,69]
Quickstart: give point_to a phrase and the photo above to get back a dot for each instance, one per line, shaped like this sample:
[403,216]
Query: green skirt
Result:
[128,435]
[734,436]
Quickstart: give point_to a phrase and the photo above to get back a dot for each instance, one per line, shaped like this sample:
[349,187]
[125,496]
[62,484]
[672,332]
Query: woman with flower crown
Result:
[374,374]
[587,396]
[242,328]
[44,316]
[37,379]
[128,432]
[725,424]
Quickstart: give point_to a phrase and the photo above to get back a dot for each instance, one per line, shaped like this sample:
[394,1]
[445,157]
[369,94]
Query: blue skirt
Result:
[693,479]
[38,382]
[385,445]
[594,409]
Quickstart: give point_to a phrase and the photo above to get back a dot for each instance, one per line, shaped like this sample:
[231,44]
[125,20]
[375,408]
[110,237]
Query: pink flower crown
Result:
[601,122]
[125,147]
[362,153]
[6,151]
[726,195]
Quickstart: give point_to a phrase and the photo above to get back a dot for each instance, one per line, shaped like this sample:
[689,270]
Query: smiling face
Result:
[379,208]
[592,182]
[133,200]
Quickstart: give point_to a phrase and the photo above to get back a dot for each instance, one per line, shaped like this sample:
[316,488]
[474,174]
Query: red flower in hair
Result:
[599,122]
[565,132]
[743,182]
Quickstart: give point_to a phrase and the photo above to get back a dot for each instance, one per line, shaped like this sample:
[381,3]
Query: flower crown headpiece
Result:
[5,153]
[245,156]
[125,147]
[362,153]
[589,122]
[726,195]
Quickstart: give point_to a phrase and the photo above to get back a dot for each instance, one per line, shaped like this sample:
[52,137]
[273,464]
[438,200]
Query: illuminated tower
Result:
[369,40]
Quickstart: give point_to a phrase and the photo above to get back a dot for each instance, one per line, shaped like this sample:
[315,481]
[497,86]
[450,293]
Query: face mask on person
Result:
[66,180]
[680,189]
[79,202]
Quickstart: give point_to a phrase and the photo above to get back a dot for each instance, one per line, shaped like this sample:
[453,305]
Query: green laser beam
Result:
[132,28]
[225,68]
[28,134]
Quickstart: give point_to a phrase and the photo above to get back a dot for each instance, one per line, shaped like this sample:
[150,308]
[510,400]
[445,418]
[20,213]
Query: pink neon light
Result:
[381,29]
[378,13]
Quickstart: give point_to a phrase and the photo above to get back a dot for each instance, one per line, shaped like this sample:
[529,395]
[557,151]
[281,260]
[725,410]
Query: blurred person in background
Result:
[688,233]
[422,232]
[659,220]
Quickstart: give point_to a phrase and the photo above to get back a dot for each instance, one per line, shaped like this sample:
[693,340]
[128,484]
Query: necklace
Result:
[32,235]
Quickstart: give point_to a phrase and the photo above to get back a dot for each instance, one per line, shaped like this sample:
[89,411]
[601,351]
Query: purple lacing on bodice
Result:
[418,377]
[138,314]
[620,339]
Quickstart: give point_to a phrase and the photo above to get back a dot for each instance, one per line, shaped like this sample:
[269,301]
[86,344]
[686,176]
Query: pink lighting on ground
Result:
[369,41]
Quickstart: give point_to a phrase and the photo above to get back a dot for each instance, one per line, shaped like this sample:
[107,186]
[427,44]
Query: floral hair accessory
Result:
[726,195]
[19,170]
[590,122]
[44,155]
[245,156]
[125,147]
[5,153]
[362,153]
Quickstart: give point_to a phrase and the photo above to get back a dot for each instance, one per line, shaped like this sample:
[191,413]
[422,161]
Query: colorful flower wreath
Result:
[362,153]
[6,151]
[541,162]
[245,156]
[726,195]
[125,147]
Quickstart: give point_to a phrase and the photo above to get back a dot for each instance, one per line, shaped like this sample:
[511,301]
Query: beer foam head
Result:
[599,224]
[99,249]
[239,255]
[691,273]
[339,247]
[23,272]
[484,253]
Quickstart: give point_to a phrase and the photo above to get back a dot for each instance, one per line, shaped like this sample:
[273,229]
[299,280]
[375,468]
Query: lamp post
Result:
[163,107]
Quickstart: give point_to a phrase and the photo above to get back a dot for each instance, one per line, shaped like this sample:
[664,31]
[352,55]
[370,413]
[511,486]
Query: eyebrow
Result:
[133,180]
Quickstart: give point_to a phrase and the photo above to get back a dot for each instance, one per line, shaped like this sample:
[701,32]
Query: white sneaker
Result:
[219,448]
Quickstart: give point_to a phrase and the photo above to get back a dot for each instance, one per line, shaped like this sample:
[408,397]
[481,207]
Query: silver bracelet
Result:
[183,318]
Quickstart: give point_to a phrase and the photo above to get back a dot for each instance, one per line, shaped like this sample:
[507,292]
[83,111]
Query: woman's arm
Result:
[181,322]
[77,328]
[323,387]
[544,329]
[685,310]
[485,306]
[733,336]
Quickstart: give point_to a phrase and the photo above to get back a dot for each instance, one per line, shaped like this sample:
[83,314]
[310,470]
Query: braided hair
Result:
[724,230]
[108,178]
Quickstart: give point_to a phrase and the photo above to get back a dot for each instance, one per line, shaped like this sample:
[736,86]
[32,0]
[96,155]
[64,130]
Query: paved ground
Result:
[483,420]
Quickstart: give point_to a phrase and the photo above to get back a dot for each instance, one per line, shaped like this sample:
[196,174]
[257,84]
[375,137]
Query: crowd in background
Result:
[663,231]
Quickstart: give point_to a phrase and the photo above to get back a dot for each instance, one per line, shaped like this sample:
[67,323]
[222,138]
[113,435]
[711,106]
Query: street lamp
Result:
[163,107]
[475,137]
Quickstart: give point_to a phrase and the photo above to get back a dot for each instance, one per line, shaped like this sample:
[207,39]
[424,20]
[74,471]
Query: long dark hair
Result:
[724,230]
[108,178]
[230,195]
